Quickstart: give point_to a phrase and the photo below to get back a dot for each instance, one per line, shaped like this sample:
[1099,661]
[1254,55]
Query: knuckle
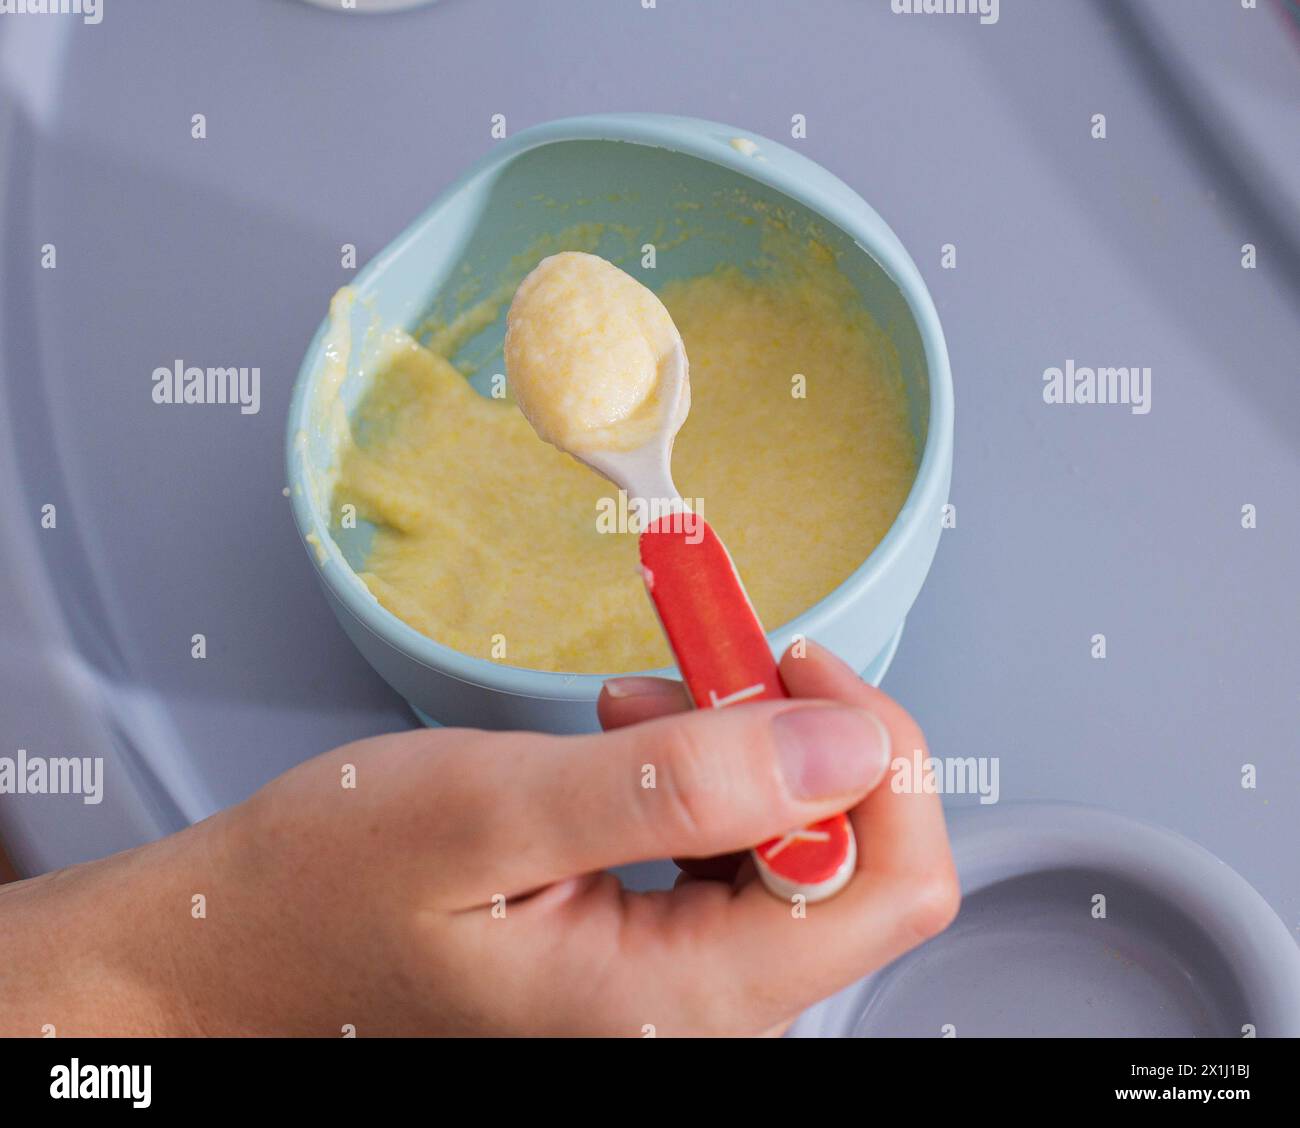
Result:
[934,904]
[694,784]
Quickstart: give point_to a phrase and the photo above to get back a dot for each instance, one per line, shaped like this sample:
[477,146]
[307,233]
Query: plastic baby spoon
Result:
[599,369]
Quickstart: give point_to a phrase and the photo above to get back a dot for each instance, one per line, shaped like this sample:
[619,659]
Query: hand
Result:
[458,888]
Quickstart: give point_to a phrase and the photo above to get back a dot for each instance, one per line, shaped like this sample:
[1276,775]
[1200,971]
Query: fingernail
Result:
[825,751]
[643,687]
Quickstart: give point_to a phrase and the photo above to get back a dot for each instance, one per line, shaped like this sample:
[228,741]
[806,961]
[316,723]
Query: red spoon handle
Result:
[725,660]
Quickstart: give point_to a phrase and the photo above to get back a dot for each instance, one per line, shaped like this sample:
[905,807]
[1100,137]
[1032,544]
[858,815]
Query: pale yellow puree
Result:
[589,354]
[797,450]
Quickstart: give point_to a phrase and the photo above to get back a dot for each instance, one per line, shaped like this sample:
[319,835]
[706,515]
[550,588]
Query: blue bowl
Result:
[641,178]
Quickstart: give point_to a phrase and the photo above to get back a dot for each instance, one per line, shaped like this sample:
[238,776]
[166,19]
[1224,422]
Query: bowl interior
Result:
[611,198]
[1027,958]
[1080,922]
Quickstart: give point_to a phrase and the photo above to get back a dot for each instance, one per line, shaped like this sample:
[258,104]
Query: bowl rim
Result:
[802,180]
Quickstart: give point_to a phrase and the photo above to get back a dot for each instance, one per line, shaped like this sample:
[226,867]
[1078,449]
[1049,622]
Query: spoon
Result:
[709,621]
[716,637]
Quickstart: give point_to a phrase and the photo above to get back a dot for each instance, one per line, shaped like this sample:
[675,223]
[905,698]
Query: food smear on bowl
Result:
[798,450]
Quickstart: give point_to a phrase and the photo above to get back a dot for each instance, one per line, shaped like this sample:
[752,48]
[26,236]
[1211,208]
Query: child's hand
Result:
[457,888]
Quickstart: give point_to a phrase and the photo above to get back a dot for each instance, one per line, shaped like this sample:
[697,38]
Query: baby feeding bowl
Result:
[702,193]
[1082,922]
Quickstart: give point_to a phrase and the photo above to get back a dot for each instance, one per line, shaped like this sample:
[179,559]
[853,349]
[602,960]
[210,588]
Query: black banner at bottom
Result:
[367,1075]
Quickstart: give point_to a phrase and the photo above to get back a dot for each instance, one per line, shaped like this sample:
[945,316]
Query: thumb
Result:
[690,785]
